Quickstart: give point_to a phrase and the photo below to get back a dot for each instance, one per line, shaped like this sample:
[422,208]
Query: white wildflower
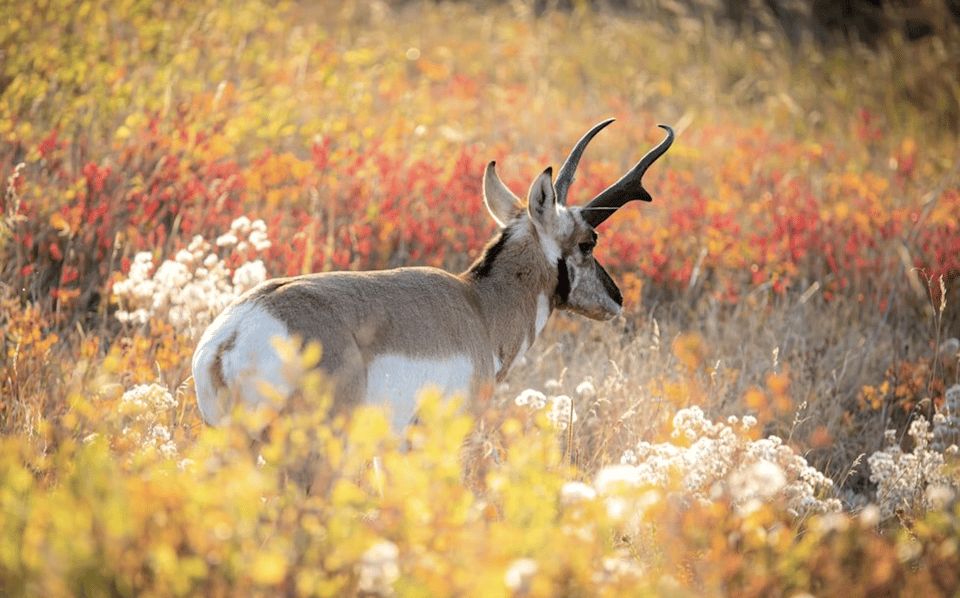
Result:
[614,568]
[870,516]
[241,225]
[142,265]
[148,399]
[756,483]
[146,407]
[573,493]
[227,240]
[259,240]
[627,496]
[168,450]
[832,522]
[716,460]
[904,479]
[198,245]
[553,385]
[939,496]
[189,290]
[185,257]
[520,574]
[249,275]
[160,433]
[533,398]
[616,477]
[378,569]
[562,414]
[586,389]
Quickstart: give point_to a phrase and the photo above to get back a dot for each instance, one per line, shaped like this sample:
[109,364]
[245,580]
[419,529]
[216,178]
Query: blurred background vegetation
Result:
[868,21]
[799,266]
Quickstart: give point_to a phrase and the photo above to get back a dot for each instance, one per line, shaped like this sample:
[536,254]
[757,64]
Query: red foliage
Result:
[756,219]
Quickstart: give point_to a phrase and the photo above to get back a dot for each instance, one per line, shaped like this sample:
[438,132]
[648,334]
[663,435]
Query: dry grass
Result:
[677,355]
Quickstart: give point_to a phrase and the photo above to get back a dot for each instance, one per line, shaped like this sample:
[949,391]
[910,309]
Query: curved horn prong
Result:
[628,188]
[566,175]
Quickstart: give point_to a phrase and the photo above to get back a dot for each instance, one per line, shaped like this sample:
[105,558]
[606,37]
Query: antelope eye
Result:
[586,248]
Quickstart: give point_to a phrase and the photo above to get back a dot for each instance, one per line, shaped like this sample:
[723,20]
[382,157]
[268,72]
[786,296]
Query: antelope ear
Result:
[542,201]
[502,204]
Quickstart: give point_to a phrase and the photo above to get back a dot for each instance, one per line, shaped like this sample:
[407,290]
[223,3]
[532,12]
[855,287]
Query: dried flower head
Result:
[520,574]
[190,290]
[716,459]
[903,479]
[378,569]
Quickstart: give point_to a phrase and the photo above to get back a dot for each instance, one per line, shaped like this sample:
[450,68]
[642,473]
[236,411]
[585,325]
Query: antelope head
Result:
[567,234]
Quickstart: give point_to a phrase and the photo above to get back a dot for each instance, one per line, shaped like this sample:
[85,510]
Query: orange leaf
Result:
[58,222]
[755,399]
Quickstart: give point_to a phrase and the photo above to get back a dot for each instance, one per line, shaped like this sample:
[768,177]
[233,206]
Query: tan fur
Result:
[216,369]
[358,315]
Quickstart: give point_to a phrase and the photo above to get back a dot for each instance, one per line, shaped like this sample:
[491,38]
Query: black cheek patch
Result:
[611,287]
[563,282]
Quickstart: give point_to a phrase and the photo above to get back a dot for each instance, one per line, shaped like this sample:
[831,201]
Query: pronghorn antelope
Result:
[387,335]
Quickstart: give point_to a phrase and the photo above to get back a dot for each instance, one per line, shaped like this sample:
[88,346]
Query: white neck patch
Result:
[543,312]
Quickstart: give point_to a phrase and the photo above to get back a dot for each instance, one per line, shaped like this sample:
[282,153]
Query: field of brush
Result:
[774,414]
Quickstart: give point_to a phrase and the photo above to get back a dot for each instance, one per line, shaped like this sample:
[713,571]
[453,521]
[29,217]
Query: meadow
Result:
[774,414]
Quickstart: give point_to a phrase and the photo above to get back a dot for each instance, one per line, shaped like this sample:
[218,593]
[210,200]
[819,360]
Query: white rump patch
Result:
[397,381]
[251,359]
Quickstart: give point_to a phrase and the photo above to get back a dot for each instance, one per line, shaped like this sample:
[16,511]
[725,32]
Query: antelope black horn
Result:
[566,175]
[627,188]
